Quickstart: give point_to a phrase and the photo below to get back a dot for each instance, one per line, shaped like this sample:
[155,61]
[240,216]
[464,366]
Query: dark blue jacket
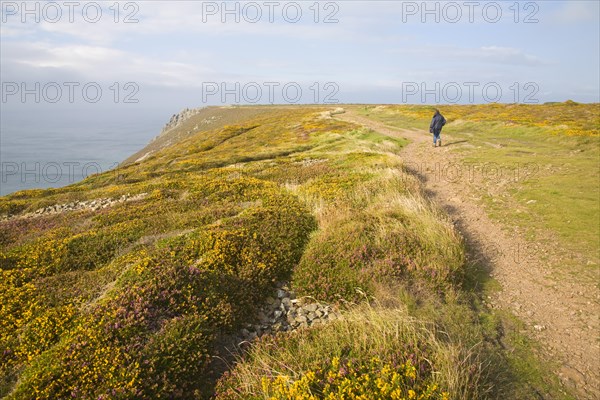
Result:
[437,122]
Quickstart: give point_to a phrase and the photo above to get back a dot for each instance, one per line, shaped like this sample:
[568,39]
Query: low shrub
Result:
[354,379]
[152,333]
[371,352]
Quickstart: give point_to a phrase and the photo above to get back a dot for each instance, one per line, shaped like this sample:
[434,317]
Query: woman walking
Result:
[437,122]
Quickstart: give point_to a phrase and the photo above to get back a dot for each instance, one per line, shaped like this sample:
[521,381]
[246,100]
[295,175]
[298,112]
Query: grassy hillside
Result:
[538,165]
[132,300]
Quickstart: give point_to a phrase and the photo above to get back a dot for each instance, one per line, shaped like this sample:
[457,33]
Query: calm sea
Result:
[53,149]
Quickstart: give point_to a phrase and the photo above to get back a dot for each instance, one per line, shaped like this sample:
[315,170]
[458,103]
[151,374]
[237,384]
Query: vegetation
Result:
[371,352]
[537,166]
[129,300]
[132,300]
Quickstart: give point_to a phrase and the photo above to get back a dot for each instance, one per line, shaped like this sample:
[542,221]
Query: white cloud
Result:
[97,63]
[172,46]
[74,57]
[177,18]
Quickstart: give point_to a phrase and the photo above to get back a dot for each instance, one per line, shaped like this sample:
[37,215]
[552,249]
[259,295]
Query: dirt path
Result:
[563,316]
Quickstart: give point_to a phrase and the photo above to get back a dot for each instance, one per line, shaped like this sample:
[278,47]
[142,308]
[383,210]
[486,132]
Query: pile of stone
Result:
[283,312]
[93,205]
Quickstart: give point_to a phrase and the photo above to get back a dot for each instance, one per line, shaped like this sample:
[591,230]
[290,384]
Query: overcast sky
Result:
[172,54]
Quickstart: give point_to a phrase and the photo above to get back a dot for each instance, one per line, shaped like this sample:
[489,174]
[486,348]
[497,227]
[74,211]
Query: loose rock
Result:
[282,312]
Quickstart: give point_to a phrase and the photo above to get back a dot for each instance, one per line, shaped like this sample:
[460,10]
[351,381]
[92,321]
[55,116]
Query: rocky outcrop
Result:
[176,121]
[179,118]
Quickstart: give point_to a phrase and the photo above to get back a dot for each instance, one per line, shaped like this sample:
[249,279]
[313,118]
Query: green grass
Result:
[109,294]
[553,183]
[524,360]
[132,301]
[541,163]
[364,333]
[520,154]
[228,212]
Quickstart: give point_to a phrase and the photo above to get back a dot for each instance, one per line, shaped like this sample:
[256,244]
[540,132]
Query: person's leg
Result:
[436,136]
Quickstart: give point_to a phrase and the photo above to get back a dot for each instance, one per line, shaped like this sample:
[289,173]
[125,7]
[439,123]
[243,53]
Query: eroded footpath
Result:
[562,316]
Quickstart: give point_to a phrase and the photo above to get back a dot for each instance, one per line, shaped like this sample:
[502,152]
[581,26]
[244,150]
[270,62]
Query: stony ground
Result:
[562,313]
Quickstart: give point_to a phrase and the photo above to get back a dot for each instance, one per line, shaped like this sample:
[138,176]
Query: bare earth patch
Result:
[562,313]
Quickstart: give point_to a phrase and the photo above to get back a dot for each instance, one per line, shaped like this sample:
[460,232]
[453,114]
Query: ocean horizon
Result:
[56,149]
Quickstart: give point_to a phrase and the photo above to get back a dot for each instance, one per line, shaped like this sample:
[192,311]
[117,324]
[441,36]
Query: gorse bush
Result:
[176,358]
[566,118]
[152,334]
[132,300]
[372,352]
[354,380]
[191,260]
[154,282]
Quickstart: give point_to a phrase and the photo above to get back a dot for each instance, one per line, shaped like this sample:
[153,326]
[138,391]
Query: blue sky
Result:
[377,51]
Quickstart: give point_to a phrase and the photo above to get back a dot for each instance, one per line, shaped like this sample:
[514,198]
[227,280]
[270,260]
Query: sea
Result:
[49,148]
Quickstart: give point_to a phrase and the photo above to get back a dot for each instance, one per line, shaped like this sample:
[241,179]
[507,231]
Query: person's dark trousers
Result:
[436,137]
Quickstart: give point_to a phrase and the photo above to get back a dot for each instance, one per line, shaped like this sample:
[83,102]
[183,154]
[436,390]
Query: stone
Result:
[262,316]
[281,313]
[571,374]
[311,307]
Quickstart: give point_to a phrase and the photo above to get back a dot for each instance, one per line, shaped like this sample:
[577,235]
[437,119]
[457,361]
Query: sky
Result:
[94,81]
[142,55]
